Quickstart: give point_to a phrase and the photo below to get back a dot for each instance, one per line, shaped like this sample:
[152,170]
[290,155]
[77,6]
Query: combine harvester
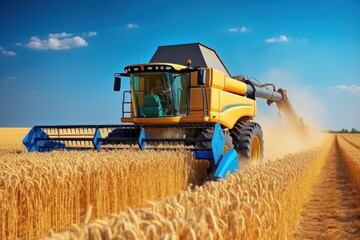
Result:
[200,107]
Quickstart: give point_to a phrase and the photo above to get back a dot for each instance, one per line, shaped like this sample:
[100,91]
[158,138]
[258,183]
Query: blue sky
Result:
[57,58]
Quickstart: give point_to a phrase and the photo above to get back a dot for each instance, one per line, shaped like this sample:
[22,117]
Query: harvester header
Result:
[198,105]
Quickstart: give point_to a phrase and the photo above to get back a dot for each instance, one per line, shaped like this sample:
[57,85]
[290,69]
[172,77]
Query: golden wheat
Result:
[353,139]
[352,156]
[10,138]
[260,202]
[47,193]
[42,191]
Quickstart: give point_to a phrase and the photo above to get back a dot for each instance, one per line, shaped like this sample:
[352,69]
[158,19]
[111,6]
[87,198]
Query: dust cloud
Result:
[285,140]
[280,138]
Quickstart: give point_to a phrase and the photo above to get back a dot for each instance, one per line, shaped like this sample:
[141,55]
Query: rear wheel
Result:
[248,141]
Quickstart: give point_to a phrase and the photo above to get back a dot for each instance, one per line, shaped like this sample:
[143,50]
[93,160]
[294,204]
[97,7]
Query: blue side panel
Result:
[32,145]
[29,139]
[217,143]
[203,154]
[141,138]
[229,163]
[48,146]
[96,142]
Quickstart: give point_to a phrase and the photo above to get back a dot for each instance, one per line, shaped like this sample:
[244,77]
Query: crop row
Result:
[348,147]
[261,202]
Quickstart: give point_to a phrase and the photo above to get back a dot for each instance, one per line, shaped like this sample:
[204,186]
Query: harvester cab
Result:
[161,92]
[202,108]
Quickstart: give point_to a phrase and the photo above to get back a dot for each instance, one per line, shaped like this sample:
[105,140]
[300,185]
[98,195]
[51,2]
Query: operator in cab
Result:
[159,87]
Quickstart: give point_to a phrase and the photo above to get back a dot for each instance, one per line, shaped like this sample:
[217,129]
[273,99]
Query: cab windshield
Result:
[161,94]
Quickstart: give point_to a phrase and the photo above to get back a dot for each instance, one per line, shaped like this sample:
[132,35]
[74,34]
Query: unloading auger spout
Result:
[280,97]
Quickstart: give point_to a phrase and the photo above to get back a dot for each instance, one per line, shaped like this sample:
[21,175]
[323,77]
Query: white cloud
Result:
[131,26]
[60,35]
[56,41]
[241,29]
[9,79]
[7,53]
[280,39]
[348,88]
[91,34]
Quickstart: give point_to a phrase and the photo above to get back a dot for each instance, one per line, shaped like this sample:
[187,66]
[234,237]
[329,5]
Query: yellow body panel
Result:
[220,81]
[233,107]
[226,100]
[127,120]
[235,86]
[159,120]
[215,78]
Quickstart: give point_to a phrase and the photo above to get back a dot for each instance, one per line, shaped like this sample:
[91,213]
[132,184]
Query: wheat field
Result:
[129,194]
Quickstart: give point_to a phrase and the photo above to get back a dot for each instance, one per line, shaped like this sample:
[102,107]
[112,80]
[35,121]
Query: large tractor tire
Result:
[207,133]
[249,143]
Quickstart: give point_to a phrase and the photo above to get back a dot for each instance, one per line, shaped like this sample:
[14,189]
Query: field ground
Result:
[302,191]
[332,211]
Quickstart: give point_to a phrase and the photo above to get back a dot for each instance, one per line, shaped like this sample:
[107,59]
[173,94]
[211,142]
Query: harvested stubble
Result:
[42,191]
[262,202]
[352,156]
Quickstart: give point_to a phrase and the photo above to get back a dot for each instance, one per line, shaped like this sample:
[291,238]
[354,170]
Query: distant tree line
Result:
[344,130]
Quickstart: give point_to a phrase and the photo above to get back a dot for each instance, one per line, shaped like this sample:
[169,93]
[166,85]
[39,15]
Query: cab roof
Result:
[200,55]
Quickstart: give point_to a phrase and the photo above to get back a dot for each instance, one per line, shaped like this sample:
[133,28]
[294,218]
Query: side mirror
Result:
[117,83]
[201,80]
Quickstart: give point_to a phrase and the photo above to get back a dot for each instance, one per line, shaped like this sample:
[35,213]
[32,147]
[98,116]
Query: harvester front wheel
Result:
[248,139]
[207,133]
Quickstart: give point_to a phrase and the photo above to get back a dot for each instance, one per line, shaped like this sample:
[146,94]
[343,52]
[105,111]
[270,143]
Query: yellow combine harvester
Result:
[199,105]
